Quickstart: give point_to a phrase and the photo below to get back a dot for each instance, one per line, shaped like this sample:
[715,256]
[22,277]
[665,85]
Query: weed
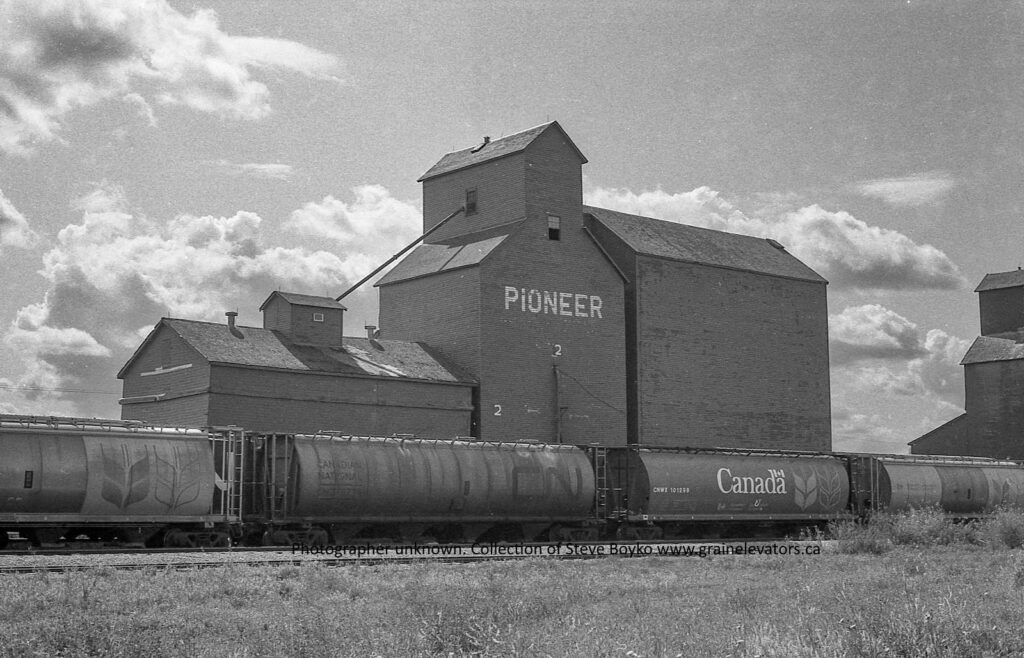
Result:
[1004,529]
[921,600]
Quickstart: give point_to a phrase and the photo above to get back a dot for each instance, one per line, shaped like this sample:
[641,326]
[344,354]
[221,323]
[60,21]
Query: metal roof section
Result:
[264,348]
[433,258]
[999,280]
[986,349]
[680,242]
[492,150]
[304,300]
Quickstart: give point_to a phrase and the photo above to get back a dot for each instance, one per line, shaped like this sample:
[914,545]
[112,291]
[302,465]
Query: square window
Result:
[554,227]
[318,317]
[471,202]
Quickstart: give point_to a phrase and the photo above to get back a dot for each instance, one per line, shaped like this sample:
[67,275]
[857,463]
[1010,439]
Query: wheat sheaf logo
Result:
[174,478]
[812,486]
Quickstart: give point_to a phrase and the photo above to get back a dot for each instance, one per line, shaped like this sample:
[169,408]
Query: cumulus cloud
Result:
[889,366]
[872,332]
[114,274]
[254,169]
[374,224]
[916,190]
[14,230]
[30,333]
[876,349]
[860,432]
[58,55]
[145,110]
[845,250]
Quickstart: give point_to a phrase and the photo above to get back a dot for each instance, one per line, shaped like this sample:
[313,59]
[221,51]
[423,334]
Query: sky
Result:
[184,159]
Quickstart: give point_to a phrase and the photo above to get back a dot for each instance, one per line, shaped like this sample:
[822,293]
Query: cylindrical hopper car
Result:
[351,487]
[63,480]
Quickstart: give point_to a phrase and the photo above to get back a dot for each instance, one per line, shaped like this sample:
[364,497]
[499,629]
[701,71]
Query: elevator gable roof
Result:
[492,150]
[690,244]
[986,349]
[998,280]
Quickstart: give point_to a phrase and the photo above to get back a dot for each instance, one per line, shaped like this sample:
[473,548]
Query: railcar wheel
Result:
[176,538]
[318,537]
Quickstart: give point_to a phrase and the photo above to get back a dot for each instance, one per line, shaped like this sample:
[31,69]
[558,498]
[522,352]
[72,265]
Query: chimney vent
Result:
[231,324]
[487,140]
[371,331]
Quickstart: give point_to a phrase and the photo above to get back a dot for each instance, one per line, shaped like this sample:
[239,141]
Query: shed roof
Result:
[992,348]
[939,432]
[265,348]
[664,239]
[493,150]
[303,300]
[1012,279]
[432,258]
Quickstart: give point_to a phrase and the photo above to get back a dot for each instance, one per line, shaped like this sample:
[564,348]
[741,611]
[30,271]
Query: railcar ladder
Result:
[232,464]
[600,482]
[276,475]
[864,476]
[236,446]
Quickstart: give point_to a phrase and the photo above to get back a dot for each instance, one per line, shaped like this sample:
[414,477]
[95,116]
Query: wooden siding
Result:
[499,186]
[952,438]
[307,402]
[171,368]
[441,310]
[189,411]
[525,338]
[1002,310]
[731,359]
[296,322]
[206,394]
[626,260]
[511,351]
[522,346]
[994,402]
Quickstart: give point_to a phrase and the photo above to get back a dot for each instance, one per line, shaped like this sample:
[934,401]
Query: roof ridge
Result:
[670,240]
[673,222]
[987,349]
[492,142]
[217,324]
[494,149]
[998,280]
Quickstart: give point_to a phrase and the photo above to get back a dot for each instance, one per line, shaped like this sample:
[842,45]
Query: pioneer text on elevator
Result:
[550,302]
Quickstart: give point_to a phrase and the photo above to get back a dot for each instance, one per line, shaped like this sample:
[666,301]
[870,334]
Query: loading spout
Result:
[399,254]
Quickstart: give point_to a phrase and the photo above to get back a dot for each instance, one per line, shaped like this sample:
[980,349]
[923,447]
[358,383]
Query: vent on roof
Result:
[487,140]
[231,324]
[776,244]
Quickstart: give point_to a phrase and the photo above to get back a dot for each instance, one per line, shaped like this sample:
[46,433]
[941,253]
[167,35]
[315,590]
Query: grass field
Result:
[886,598]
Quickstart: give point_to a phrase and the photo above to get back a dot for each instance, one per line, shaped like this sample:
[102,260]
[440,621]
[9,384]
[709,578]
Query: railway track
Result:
[53,560]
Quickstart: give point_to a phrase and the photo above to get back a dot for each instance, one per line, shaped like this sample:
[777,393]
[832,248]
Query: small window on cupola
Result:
[554,227]
[471,202]
[318,317]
